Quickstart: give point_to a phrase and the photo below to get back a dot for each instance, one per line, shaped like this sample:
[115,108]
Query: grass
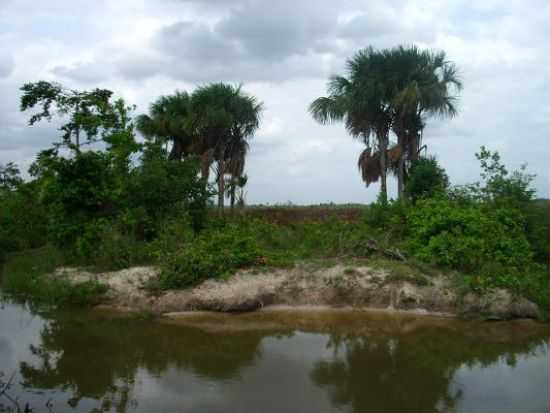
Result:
[25,276]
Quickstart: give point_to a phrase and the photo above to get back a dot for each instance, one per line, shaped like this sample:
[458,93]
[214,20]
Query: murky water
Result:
[308,362]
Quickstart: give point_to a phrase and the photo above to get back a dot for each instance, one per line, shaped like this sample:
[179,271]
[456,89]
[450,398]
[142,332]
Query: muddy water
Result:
[272,362]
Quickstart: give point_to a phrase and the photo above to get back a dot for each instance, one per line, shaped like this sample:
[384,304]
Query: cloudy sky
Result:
[283,51]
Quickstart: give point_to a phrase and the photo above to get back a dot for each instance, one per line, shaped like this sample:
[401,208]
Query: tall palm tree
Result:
[389,90]
[224,118]
[361,101]
[167,121]
[423,83]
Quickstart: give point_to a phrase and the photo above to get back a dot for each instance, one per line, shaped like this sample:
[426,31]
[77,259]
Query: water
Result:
[305,362]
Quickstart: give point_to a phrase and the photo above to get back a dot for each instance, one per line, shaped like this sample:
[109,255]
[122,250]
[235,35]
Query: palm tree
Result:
[423,83]
[224,118]
[360,100]
[167,121]
[389,90]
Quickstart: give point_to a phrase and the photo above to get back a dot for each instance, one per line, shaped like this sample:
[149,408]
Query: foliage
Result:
[25,275]
[390,89]
[211,254]
[501,186]
[87,112]
[76,191]
[22,223]
[10,177]
[426,179]
[466,237]
[162,188]
[537,216]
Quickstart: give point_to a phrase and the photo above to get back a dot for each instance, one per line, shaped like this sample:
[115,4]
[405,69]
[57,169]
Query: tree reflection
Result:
[98,358]
[413,371]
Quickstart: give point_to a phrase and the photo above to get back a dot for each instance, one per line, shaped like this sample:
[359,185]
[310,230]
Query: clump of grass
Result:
[25,275]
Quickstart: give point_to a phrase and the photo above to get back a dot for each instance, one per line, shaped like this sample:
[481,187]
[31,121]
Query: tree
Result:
[90,112]
[224,119]
[389,90]
[360,100]
[10,177]
[423,84]
[168,121]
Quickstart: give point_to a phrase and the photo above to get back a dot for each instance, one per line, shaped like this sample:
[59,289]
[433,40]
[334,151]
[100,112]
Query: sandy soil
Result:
[302,287]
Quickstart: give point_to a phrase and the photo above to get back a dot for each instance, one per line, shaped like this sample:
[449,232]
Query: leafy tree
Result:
[10,177]
[426,179]
[89,113]
[500,185]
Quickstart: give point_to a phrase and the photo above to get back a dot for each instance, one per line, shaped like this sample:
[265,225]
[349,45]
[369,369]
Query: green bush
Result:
[388,218]
[466,236]
[22,220]
[426,179]
[213,253]
[537,215]
[163,188]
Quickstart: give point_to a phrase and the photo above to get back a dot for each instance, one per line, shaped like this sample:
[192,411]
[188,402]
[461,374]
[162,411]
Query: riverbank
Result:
[307,285]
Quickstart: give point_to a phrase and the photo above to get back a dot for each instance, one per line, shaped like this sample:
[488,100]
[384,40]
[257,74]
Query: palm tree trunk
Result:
[221,183]
[383,144]
[206,161]
[177,150]
[401,165]
[232,194]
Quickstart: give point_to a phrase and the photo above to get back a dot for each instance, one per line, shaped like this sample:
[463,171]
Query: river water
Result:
[89,361]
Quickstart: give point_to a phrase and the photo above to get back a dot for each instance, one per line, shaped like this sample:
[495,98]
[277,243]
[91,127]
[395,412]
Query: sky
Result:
[283,52]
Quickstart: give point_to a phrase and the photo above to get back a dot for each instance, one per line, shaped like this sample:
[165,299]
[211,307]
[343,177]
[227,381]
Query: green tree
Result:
[360,100]
[224,119]
[89,112]
[10,177]
[168,121]
[500,185]
[389,90]
[423,83]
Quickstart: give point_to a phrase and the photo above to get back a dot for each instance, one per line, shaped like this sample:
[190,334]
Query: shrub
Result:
[22,220]
[465,236]
[211,254]
[426,179]
[388,217]
[162,188]
[537,216]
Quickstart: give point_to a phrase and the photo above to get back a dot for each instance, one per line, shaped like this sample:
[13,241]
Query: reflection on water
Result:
[84,362]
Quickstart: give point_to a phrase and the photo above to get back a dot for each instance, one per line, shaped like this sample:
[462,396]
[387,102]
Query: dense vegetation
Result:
[105,198]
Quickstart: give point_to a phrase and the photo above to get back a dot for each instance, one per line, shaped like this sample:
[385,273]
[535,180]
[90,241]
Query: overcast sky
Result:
[283,52]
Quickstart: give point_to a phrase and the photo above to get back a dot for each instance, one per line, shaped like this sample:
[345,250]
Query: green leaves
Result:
[466,236]
[88,113]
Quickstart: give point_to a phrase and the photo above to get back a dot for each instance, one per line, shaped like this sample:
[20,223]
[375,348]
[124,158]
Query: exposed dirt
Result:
[338,286]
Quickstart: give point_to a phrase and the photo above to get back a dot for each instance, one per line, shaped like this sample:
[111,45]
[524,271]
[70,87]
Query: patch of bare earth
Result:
[339,286]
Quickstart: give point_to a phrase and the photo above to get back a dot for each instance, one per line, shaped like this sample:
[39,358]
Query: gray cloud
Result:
[284,51]
[83,72]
